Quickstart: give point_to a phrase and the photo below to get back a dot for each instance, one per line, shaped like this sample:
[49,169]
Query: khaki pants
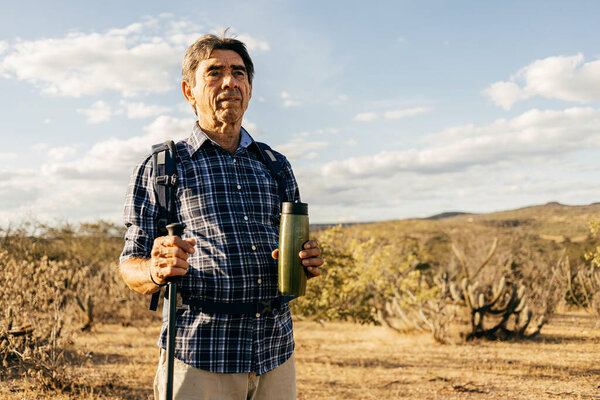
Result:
[193,383]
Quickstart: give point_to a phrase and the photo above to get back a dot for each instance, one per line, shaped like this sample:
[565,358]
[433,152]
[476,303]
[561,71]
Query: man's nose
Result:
[229,81]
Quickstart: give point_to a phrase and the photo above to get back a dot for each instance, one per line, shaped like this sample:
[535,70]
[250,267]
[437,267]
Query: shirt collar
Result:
[199,137]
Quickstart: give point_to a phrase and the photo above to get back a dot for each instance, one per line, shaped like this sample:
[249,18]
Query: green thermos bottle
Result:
[293,233]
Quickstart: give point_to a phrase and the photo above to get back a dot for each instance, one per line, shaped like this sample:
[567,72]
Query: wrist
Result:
[152,279]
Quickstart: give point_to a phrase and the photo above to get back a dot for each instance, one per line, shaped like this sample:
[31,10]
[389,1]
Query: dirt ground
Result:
[349,361]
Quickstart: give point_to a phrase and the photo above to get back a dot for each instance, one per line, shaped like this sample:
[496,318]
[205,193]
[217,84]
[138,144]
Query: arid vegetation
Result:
[58,282]
[455,281]
[494,276]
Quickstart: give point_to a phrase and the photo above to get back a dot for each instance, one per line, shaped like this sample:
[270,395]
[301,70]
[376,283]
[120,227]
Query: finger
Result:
[161,276]
[312,252]
[166,241]
[311,244]
[176,252]
[160,273]
[192,243]
[312,272]
[275,254]
[169,252]
[186,245]
[165,267]
[313,262]
[170,261]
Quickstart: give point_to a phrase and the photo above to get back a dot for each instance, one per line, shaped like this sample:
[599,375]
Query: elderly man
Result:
[230,205]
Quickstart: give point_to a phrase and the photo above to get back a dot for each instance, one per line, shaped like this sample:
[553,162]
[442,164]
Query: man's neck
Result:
[226,135]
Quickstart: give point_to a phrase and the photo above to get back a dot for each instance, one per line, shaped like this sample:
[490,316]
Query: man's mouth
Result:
[231,96]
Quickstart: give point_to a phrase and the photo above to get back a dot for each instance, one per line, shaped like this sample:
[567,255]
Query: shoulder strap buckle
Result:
[166,180]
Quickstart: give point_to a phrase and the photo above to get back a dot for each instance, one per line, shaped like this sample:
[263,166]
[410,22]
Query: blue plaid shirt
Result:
[230,204]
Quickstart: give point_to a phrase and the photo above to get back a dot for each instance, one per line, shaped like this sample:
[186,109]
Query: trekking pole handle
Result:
[175,229]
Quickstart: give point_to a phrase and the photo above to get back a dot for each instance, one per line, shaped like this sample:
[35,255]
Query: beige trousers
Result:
[193,383]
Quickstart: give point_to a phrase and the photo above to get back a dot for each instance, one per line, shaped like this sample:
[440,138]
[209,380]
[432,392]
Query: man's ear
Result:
[186,88]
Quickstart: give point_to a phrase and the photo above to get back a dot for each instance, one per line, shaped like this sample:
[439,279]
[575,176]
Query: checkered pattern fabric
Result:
[230,204]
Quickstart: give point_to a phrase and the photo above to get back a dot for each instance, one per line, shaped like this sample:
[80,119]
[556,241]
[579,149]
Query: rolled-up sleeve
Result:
[140,213]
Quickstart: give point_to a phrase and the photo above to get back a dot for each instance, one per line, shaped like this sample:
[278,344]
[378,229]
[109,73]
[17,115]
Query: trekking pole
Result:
[174,230]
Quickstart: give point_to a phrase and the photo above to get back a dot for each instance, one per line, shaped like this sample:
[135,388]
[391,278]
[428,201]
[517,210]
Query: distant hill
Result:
[551,222]
[320,227]
[448,214]
[534,231]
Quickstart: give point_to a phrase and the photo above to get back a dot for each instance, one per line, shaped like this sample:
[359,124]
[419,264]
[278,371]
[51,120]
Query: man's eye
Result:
[241,74]
[214,73]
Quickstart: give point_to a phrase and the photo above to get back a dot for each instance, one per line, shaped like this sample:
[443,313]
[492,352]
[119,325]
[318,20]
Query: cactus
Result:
[491,310]
[583,286]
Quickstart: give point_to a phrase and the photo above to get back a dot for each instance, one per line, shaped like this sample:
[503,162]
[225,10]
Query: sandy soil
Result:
[349,361]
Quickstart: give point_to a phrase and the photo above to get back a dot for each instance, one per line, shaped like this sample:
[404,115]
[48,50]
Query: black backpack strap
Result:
[164,167]
[164,160]
[275,166]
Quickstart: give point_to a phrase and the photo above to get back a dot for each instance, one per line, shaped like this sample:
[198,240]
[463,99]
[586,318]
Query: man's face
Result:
[222,89]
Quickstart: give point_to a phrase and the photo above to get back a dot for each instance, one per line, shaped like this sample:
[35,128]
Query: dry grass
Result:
[349,361]
[336,360]
[344,361]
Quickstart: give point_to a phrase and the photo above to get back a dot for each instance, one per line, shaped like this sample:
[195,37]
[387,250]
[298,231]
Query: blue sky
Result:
[386,110]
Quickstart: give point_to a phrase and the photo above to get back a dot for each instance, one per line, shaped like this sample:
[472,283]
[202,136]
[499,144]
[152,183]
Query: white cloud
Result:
[299,148]
[524,179]
[563,77]
[288,101]
[60,153]
[3,46]
[82,184]
[291,103]
[400,39]
[99,112]
[252,128]
[88,64]
[253,44]
[8,156]
[141,110]
[40,147]
[367,117]
[505,94]
[141,58]
[114,157]
[533,134]
[392,114]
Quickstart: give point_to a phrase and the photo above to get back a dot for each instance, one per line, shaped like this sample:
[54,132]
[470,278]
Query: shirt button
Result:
[239,187]
[259,281]
[257,315]
[234,160]
[245,218]
[253,247]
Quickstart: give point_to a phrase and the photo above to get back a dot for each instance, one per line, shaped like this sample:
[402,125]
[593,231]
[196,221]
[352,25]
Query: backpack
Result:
[165,180]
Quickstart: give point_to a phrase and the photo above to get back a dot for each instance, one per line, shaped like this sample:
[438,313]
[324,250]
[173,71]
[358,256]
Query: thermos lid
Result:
[294,208]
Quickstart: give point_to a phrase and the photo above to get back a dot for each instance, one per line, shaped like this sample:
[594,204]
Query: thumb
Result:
[275,254]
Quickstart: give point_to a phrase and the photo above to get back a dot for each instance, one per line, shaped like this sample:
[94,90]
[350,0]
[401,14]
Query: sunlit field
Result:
[393,316]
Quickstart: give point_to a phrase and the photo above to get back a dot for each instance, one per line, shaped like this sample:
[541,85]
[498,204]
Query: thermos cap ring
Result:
[289,207]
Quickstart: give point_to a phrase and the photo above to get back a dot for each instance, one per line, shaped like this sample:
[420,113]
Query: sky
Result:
[385,109]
